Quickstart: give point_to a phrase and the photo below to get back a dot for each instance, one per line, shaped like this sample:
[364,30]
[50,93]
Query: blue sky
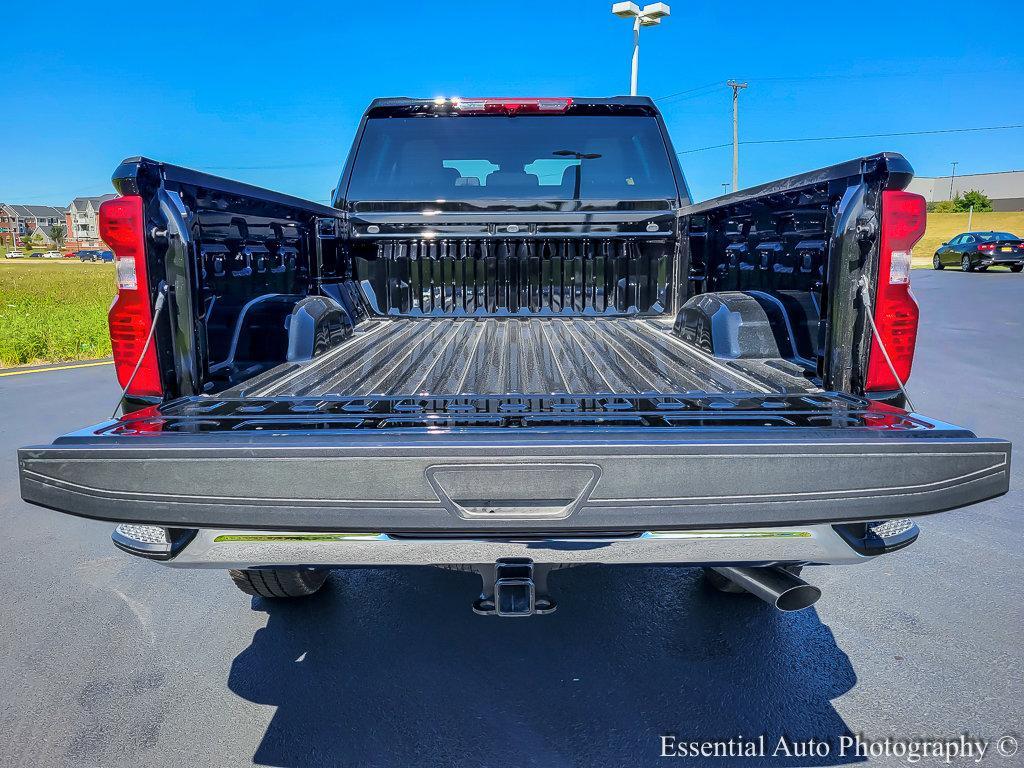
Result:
[270,93]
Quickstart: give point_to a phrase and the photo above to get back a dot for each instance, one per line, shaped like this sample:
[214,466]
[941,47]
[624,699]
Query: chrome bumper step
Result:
[225,548]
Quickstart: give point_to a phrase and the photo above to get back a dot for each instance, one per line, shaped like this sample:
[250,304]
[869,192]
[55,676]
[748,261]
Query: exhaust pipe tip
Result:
[797,598]
[775,585]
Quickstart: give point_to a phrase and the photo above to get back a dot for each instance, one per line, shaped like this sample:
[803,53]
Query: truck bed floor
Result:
[463,356]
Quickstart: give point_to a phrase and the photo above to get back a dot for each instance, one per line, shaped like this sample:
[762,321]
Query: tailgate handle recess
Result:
[513,491]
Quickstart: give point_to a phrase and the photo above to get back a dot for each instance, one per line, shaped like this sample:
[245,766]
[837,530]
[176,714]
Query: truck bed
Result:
[464,356]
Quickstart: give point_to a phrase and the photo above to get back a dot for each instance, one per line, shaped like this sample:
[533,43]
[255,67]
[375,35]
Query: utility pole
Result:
[955,164]
[736,88]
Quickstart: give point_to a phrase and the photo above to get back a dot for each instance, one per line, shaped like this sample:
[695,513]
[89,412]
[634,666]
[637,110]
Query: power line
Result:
[699,95]
[842,76]
[900,133]
[855,136]
[106,186]
[92,187]
[868,76]
[715,84]
[288,166]
[800,78]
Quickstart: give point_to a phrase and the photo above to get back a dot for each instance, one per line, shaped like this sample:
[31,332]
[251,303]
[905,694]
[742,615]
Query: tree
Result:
[962,203]
[973,199]
[58,233]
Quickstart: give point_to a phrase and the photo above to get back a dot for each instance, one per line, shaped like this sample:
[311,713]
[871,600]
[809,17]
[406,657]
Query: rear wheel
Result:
[936,263]
[1017,267]
[965,264]
[278,582]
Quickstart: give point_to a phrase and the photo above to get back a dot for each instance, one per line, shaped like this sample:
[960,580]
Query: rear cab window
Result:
[526,157]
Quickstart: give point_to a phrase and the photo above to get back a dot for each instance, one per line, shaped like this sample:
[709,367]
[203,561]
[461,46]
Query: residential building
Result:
[82,220]
[20,221]
[1004,188]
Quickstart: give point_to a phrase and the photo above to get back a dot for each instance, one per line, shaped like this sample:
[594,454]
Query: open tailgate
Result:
[552,465]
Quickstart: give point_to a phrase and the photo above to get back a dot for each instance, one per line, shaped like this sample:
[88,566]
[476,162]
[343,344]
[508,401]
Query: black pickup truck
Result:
[513,344]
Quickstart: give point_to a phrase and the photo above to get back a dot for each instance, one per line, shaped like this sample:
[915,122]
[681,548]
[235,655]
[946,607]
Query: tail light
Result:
[896,311]
[122,227]
[986,246]
[512,106]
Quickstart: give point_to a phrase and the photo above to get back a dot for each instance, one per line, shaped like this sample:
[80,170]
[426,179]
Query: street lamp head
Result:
[655,10]
[650,14]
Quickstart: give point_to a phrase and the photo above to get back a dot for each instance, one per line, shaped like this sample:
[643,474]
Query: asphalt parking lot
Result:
[112,661]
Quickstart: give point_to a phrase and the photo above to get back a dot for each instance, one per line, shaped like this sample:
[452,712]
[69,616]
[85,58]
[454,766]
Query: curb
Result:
[55,366]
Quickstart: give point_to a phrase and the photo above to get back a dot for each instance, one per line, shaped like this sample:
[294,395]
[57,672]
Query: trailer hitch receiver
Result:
[513,586]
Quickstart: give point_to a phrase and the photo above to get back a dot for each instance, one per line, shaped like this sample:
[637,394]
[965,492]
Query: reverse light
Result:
[127,277]
[895,310]
[899,267]
[512,106]
[122,227]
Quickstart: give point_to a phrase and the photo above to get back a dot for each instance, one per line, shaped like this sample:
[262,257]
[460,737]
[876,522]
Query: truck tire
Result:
[278,582]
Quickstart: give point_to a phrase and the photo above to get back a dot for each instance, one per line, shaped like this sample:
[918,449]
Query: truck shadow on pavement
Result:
[391,667]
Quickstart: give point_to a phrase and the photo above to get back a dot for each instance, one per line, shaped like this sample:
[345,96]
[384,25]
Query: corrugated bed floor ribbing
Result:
[493,356]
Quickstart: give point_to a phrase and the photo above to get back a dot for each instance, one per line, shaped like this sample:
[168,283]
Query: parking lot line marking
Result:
[56,368]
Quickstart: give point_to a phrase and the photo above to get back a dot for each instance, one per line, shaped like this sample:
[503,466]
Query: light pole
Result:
[736,88]
[647,16]
[955,164]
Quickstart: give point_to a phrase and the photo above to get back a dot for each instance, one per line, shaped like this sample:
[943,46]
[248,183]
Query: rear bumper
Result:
[819,544]
[509,481]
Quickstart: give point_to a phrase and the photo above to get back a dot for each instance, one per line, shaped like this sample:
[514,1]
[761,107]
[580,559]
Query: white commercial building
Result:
[1006,188]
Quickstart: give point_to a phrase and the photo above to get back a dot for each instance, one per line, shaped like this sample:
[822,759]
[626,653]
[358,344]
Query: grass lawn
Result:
[53,311]
[943,226]
[56,310]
